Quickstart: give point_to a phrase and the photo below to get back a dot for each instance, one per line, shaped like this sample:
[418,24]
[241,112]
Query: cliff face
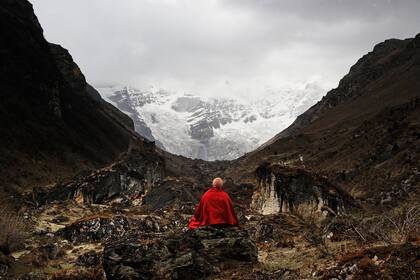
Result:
[53,124]
[282,189]
[363,135]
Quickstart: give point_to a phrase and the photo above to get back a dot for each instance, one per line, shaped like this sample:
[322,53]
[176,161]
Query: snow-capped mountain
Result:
[210,128]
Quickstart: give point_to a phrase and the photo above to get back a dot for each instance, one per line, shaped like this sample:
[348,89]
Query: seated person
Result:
[215,208]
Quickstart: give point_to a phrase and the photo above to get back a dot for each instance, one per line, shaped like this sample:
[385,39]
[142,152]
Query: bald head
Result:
[218,182]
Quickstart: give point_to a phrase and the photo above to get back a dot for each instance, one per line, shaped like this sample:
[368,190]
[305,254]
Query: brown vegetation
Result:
[79,274]
[13,230]
[392,227]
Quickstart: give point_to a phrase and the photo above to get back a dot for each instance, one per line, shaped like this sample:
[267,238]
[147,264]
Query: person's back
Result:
[215,208]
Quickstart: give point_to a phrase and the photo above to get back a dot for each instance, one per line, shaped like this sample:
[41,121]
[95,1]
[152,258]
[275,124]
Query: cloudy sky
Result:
[223,47]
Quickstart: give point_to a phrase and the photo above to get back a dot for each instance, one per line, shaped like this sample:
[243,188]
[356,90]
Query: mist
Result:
[222,48]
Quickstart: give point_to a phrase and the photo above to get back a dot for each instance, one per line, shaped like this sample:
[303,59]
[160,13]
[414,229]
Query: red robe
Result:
[215,208]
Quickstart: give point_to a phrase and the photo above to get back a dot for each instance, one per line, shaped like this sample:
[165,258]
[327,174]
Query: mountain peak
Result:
[215,128]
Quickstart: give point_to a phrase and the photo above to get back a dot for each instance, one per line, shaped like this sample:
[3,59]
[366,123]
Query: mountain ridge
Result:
[347,135]
[209,128]
[370,65]
[53,123]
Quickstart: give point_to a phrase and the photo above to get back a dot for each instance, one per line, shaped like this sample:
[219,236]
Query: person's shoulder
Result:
[225,194]
[209,190]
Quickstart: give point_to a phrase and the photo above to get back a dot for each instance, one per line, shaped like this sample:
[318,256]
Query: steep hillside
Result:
[56,129]
[364,135]
[52,123]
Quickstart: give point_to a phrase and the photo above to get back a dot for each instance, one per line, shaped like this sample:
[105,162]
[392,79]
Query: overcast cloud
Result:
[222,47]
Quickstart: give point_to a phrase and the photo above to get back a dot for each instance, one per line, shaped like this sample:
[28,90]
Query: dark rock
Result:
[290,188]
[99,228]
[191,255]
[40,256]
[171,192]
[89,259]
[3,269]
[123,182]
[147,224]
[127,102]
[51,251]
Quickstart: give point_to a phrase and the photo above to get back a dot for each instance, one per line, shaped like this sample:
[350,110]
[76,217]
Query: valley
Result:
[89,191]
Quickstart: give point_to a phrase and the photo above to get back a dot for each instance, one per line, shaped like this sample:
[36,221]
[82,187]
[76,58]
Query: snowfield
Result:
[210,128]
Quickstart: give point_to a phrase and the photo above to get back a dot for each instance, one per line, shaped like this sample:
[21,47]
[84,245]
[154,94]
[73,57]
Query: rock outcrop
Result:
[91,229]
[282,189]
[191,255]
[104,227]
[125,182]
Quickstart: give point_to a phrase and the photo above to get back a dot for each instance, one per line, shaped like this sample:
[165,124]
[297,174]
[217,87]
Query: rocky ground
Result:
[77,239]
[128,220]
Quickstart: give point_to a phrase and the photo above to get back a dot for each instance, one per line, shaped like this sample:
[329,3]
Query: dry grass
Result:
[13,231]
[309,213]
[313,232]
[79,274]
[392,227]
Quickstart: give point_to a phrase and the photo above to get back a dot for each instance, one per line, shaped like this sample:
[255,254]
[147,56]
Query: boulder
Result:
[89,259]
[104,227]
[190,255]
[147,224]
[97,228]
[124,182]
[286,189]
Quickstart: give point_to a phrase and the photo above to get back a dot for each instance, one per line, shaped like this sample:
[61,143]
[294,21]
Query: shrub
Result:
[313,230]
[394,226]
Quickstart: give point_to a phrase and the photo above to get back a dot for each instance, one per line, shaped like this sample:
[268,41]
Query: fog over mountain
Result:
[210,128]
[222,47]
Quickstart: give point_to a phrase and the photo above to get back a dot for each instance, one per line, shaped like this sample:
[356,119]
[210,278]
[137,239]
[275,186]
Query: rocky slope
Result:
[363,135]
[210,128]
[53,124]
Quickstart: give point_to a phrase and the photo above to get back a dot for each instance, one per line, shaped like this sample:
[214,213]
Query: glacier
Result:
[215,128]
